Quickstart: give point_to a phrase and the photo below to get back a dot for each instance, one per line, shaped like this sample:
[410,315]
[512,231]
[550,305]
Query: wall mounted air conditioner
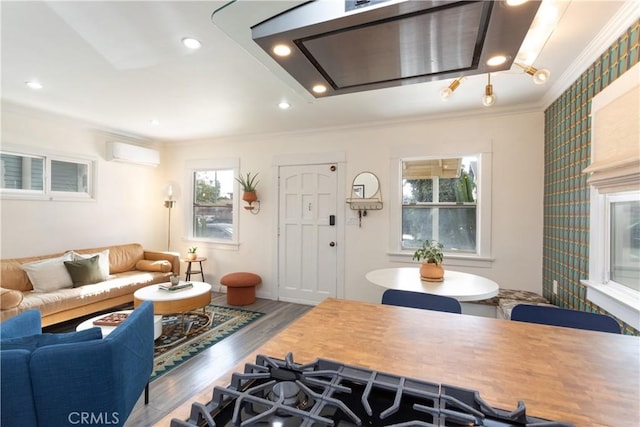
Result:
[121,152]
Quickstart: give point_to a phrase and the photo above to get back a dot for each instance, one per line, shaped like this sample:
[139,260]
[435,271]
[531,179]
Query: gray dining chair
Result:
[421,300]
[557,316]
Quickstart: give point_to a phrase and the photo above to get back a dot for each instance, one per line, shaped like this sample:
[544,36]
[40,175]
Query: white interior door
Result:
[307,246]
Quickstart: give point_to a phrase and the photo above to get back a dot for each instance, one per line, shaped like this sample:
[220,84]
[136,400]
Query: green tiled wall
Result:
[567,152]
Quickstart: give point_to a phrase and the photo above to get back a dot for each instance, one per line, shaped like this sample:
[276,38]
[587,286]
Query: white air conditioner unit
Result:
[121,152]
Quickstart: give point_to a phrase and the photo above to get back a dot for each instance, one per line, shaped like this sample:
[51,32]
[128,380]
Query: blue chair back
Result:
[421,300]
[557,316]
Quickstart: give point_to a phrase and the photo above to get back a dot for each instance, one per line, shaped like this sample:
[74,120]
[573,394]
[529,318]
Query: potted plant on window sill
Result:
[431,252]
[248,185]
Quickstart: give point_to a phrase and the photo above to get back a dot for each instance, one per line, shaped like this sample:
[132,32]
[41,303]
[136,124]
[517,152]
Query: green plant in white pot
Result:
[431,252]
[192,253]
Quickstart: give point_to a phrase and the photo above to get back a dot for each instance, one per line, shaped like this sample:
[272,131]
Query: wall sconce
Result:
[540,76]
[489,97]
[446,92]
[171,193]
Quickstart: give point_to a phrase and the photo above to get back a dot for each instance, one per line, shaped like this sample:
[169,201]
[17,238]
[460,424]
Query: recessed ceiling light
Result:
[34,84]
[319,88]
[191,43]
[154,122]
[282,50]
[284,105]
[496,60]
[516,2]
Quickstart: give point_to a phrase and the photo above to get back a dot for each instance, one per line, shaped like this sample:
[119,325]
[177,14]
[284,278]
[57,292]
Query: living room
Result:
[127,203]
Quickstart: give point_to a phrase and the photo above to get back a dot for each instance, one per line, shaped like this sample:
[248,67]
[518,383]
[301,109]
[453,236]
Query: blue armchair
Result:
[78,378]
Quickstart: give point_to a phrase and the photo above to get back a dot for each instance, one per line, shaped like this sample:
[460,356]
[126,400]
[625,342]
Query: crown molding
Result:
[628,14]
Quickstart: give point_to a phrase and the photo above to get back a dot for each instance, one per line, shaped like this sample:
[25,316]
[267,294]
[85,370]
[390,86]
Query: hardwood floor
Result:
[178,386]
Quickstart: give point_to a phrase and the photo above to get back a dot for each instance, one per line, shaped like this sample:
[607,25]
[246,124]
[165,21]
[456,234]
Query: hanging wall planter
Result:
[249,194]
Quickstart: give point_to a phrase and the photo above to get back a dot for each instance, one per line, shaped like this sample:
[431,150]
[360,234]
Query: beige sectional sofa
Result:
[130,267]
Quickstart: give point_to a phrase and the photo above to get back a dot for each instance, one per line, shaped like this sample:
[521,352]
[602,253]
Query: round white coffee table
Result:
[106,330]
[174,302]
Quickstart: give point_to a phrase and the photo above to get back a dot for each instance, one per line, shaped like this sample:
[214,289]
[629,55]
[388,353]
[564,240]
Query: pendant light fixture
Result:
[446,92]
[489,98]
[540,76]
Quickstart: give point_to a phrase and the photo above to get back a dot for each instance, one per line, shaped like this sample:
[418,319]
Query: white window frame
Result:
[619,300]
[47,193]
[482,257]
[193,166]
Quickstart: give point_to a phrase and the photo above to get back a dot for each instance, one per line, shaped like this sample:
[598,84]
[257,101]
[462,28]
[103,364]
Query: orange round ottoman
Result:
[241,287]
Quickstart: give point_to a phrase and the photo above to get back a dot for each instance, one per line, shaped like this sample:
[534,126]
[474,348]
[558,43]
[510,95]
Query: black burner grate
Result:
[275,392]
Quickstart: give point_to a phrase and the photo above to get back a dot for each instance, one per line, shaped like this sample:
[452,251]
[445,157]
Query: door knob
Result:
[332,244]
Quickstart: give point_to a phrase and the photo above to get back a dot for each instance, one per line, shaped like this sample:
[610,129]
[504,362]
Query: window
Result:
[446,198]
[45,176]
[22,172]
[614,254]
[614,221]
[439,202]
[623,243]
[213,205]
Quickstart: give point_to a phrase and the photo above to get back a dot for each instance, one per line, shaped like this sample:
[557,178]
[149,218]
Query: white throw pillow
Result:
[49,274]
[103,260]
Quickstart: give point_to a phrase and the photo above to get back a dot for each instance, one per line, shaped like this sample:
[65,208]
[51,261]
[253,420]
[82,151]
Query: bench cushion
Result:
[506,306]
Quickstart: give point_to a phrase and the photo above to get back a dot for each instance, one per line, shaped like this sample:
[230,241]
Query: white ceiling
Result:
[121,64]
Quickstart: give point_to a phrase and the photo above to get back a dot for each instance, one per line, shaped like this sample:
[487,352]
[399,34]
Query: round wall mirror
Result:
[365,185]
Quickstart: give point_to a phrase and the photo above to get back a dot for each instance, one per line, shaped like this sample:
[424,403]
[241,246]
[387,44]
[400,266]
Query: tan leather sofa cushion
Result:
[12,276]
[10,298]
[163,266]
[121,257]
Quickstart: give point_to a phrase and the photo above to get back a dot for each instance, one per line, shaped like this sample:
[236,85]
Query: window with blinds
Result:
[29,175]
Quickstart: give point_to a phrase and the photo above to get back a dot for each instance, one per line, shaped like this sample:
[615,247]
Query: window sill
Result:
[622,302]
[215,244]
[38,196]
[456,260]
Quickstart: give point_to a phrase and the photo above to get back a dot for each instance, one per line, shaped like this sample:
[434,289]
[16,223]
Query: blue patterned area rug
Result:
[181,341]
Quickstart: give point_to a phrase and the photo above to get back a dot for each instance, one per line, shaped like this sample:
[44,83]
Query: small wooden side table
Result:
[190,271]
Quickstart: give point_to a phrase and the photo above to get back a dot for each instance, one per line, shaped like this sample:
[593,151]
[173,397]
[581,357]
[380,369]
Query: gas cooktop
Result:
[281,393]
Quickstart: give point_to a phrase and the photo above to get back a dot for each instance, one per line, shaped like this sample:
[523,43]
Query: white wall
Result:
[517,215]
[129,204]
[129,197]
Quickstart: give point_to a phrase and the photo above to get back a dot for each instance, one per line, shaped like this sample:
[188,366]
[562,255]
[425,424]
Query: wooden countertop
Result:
[584,377]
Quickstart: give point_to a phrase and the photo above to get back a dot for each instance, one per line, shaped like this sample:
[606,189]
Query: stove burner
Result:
[290,394]
[328,393]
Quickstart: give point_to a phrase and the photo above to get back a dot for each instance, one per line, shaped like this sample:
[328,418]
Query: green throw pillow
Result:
[85,271]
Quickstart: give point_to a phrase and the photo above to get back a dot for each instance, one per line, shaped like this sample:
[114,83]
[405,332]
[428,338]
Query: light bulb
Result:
[282,50]
[489,98]
[191,43]
[319,88]
[445,93]
[540,77]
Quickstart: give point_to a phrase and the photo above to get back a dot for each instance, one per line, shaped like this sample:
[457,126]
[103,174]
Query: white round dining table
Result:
[456,284]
